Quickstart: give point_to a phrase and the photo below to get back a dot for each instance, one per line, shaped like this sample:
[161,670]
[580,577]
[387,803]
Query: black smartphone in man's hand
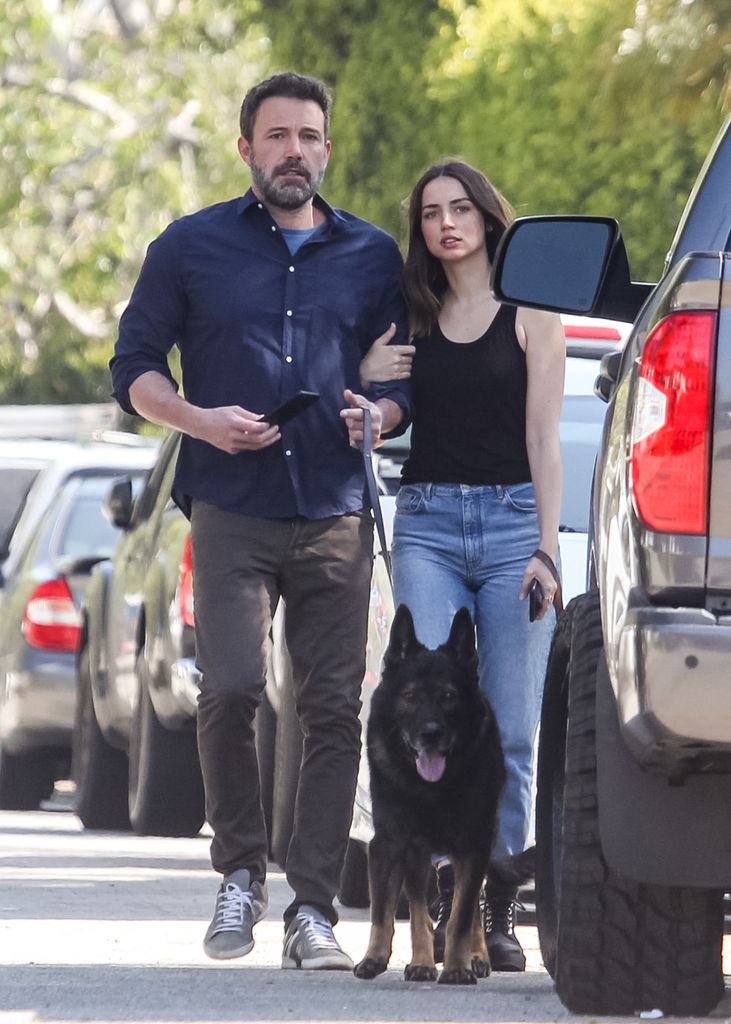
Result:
[291,408]
[535,600]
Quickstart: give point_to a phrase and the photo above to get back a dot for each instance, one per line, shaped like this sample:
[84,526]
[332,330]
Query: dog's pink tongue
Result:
[430,766]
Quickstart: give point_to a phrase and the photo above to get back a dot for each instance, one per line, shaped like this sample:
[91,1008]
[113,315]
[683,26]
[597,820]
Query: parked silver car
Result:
[52,532]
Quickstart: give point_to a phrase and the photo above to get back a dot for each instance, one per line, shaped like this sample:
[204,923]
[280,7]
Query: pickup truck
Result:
[633,816]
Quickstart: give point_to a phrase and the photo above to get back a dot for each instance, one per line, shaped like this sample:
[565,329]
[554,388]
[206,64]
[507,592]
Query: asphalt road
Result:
[107,927]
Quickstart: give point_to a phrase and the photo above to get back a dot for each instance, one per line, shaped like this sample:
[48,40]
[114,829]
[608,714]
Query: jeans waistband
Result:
[460,490]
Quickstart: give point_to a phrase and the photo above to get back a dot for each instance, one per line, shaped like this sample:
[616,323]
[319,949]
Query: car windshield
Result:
[15,482]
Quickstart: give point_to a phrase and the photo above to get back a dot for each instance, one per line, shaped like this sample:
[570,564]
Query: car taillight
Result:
[591,332]
[185,585]
[51,620]
[672,424]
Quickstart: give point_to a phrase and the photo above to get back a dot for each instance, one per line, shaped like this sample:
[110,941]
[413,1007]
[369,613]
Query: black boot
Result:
[445,893]
[498,920]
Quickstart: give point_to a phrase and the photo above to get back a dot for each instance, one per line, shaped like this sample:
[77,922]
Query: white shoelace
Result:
[230,907]
[319,933]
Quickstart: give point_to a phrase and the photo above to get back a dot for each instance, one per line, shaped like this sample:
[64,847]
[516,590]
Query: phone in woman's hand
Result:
[535,600]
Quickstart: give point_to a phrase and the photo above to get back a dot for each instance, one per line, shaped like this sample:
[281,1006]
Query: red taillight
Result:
[672,424]
[51,620]
[592,333]
[185,585]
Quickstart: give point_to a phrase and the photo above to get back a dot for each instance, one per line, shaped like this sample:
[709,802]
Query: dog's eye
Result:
[449,696]
[409,694]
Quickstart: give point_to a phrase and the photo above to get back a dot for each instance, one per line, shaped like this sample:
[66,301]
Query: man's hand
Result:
[353,417]
[233,429]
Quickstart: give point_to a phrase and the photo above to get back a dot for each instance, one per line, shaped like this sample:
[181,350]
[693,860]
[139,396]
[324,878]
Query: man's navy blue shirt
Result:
[254,324]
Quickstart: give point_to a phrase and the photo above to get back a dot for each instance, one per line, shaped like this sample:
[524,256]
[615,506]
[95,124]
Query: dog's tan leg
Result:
[480,956]
[385,875]
[458,969]
[417,869]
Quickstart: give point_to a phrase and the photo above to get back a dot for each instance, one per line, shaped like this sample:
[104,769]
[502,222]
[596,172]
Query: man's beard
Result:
[285,195]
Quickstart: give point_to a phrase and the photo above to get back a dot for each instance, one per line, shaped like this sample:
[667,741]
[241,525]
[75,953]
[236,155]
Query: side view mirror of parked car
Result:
[567,264]
[608,375]
[119,503]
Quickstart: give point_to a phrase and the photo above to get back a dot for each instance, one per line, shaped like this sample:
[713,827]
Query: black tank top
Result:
[469,408]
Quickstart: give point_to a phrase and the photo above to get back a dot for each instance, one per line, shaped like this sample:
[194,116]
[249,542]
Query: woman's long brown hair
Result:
[424,278]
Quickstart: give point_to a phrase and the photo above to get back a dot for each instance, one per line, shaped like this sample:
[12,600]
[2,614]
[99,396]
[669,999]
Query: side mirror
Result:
[568,265]
[119,503]
[608,374]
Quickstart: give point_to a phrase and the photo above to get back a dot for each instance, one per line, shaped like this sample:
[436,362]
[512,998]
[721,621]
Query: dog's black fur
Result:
[436,774]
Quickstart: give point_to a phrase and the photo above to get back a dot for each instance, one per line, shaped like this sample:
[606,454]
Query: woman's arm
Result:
[541,335]
[384,362]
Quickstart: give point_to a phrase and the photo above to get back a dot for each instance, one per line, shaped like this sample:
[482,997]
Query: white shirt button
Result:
[260,206]
[291,270]
[274,227]
[289,312]
[288,452]
[288,359]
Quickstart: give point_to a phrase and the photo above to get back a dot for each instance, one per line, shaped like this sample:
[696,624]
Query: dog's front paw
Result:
[369,968]
[458,976]
[420,972]
[480,967]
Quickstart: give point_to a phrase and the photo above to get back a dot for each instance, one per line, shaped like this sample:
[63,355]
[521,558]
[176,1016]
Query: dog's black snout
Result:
[431,734]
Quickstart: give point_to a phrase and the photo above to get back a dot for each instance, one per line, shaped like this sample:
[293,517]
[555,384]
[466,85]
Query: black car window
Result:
[15,482]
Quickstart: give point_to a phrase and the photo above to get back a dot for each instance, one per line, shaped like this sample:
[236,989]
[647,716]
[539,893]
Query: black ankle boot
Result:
[445,893]
[498,920]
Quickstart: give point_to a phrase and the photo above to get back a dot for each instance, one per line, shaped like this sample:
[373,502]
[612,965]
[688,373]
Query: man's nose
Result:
[294,147]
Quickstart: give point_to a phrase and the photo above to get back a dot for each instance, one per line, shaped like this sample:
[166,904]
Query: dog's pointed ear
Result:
[461,639]
[402,640]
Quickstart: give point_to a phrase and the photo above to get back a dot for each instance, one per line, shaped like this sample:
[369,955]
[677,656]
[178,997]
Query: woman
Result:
[481,489]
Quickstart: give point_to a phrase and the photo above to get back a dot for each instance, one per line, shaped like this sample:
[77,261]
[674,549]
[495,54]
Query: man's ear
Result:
[244,147]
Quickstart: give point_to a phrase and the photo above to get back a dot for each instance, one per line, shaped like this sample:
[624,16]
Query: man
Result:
[266,295]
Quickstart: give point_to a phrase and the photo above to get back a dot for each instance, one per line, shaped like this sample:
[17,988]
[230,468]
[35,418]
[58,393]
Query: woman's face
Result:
[452,226]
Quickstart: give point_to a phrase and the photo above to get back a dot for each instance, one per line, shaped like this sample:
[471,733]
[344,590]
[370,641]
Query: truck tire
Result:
[549,796]
[99,770]
[165,785]
[622,946]
[354,889]
[25,780]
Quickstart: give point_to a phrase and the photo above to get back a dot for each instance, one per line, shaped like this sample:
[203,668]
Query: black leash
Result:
[373,490]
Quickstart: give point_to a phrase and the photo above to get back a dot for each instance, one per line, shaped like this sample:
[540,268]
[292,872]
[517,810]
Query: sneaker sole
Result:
[229,954]
[320,963]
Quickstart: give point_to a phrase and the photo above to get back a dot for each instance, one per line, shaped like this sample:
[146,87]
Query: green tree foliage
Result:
[109,128]
[552,99]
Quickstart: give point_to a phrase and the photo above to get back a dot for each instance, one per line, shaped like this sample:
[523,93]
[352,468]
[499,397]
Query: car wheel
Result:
[549,796]
[287,761]
[165,784]
[622,946]
[354,890]
[265,725]
[98,769]
[25,780]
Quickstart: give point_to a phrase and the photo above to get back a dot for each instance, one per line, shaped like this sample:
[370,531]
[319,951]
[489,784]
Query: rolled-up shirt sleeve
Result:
[392,309]
[153,320]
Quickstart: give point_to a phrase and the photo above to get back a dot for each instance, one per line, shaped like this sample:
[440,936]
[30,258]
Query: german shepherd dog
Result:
[436,774]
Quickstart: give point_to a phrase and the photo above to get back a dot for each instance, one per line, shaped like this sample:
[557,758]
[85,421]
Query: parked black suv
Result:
[634,772]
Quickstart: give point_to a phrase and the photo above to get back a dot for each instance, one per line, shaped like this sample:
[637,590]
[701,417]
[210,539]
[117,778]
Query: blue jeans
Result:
[459,546]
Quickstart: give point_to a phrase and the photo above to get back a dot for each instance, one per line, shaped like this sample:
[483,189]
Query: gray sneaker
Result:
[240,903]
[309,944]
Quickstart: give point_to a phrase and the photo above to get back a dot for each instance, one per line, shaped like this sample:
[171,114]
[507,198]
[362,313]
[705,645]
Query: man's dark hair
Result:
[288,84]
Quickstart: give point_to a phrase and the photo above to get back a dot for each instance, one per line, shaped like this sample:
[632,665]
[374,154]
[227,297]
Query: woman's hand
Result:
[536,570]
[385,362]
